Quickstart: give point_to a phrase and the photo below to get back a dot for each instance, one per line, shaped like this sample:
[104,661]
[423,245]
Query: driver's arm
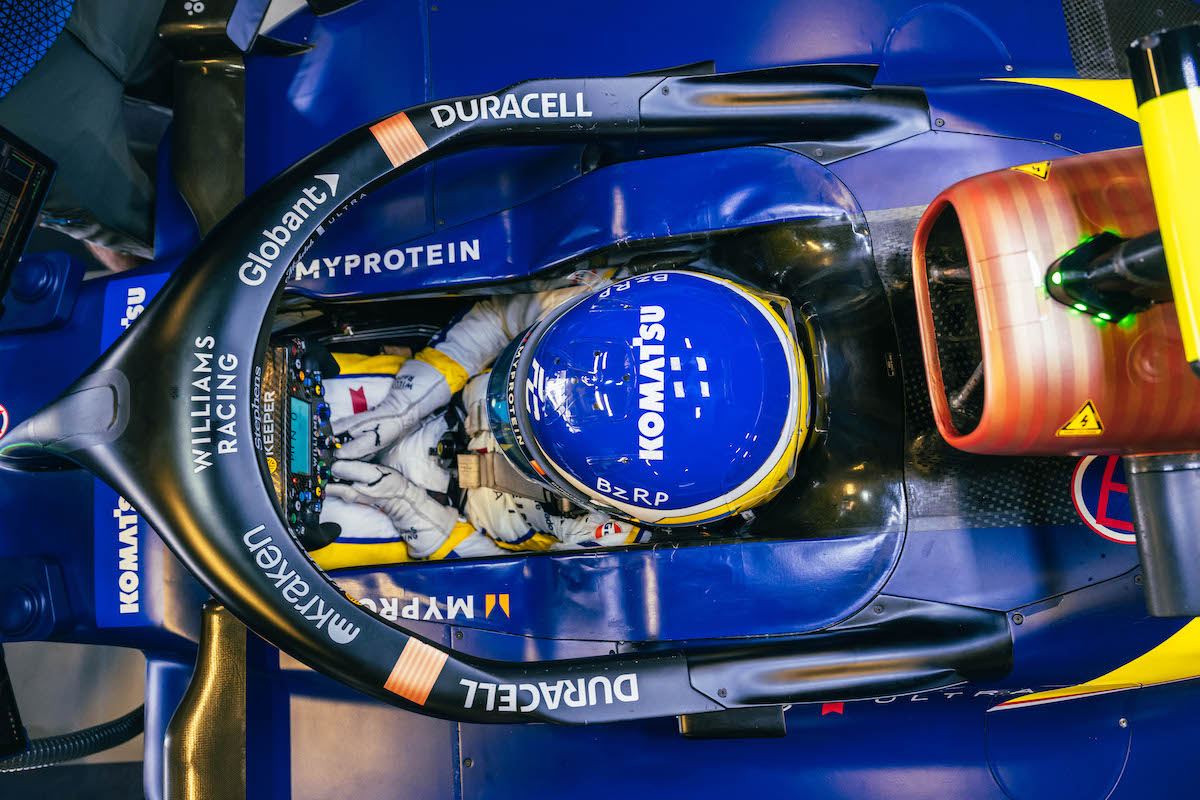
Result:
[428,380]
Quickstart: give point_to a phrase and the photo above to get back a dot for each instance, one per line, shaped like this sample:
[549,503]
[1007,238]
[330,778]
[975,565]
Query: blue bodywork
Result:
[507,216]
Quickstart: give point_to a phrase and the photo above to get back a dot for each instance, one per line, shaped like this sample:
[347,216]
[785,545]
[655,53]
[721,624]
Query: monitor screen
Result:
[299,438]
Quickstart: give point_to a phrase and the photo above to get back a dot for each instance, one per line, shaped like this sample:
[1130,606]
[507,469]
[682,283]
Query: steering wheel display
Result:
[170,417]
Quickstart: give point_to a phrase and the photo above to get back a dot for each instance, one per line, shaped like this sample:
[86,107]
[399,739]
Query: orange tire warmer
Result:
[1044,363]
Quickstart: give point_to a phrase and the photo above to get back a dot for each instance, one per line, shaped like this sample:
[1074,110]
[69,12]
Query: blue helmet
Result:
[671,398]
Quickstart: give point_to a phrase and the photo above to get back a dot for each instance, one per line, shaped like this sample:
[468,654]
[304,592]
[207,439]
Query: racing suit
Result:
[384,506]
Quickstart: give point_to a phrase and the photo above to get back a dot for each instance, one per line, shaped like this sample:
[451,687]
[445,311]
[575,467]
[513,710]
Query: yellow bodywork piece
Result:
[1114,95]
[1176,659]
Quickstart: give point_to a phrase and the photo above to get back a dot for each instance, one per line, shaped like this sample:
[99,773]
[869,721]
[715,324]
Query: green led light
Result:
[1056,278]
[1080,307]
[1104,315]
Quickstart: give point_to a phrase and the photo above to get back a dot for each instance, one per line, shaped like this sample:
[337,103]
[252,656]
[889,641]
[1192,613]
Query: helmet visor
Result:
[501,408]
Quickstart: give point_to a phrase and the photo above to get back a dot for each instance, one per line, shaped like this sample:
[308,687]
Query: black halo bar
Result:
[167,416]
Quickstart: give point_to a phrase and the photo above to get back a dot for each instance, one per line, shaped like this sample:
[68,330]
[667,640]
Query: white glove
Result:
[418,519]
[410,455]
[417,391]
[358,523]
[365,525]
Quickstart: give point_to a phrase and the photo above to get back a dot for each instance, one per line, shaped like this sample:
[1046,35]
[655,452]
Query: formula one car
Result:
[946,601]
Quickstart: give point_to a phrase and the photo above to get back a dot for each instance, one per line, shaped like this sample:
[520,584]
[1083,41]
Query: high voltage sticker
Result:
[1040,169]
[1085,422]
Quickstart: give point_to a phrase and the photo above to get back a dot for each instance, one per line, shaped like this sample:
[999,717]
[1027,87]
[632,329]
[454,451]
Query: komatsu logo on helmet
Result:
[650,389]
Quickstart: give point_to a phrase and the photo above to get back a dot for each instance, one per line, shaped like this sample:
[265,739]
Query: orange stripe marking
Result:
[415,672]
[399,139]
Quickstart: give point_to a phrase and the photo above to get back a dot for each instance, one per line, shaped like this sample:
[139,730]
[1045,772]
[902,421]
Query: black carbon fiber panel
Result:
[1100,30]
[948,487]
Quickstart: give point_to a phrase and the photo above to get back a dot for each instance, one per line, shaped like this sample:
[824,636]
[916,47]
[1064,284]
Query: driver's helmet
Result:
[670,398]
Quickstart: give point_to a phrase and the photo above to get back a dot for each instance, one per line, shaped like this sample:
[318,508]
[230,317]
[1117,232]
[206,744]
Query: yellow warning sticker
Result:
[1085,422]
[272,464]
[1041,169]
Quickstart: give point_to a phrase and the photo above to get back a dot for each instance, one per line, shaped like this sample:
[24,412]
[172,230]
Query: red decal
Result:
[3,420]
[831,708]
[607,528]
[1092,487]
[1108,485]
[399,139]
[358,400]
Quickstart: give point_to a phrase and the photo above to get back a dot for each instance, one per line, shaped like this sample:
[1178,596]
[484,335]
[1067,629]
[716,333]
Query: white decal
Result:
[636,494]
[649,343]
[427,255]
[535,389]
[535,105]
[650,389]
[526,697]
[213,406]
[127,556]
[294,590]
[134,300]
[258,261]
[425,608]
[331,180]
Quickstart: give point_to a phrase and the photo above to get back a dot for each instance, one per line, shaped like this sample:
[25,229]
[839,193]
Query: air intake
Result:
[1012,371]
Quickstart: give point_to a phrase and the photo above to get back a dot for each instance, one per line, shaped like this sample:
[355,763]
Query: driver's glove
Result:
[424,384]
[430,528]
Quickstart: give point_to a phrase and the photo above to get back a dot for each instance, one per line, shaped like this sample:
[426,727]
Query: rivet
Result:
[939,122]
[878,608]
[1124,723]
[666,90]
[1008,67]
[458,634]
[722,693]
[1018,619]
[1058,137]
[468,763]
[1138,579]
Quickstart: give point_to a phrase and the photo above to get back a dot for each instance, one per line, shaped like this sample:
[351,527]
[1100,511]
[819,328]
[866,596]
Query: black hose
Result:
[56,749]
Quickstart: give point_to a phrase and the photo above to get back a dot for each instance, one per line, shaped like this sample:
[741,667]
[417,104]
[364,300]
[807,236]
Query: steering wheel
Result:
[142,417]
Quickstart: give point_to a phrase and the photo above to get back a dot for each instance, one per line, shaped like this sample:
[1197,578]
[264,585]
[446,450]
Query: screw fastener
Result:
[722,693]
[1018,619]
[1124,723]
